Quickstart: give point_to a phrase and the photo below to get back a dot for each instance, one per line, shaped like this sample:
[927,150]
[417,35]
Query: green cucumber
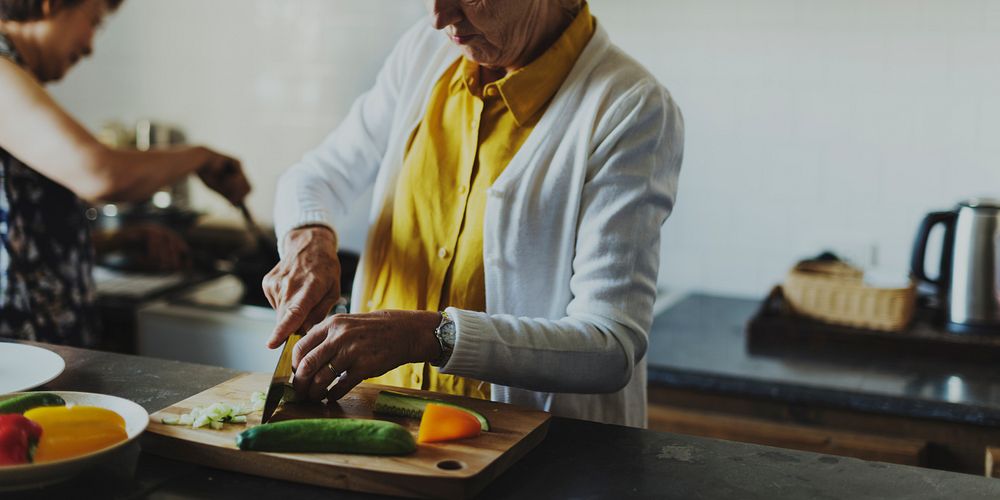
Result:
[329,435]
[405,405]
[27,401]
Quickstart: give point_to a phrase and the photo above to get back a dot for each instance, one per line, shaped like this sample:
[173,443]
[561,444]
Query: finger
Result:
[314,373]
[348,381]
[292,313]
[304,372]
[290,318]
[272,286]
[308,342]
[325,376]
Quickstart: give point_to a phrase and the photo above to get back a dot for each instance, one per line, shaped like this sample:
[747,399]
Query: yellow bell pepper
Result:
[69,431]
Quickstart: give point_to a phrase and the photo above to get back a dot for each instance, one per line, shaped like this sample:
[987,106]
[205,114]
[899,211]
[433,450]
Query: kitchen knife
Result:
[280,379]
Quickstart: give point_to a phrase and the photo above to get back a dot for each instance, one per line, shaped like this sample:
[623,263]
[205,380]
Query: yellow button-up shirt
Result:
[428,244]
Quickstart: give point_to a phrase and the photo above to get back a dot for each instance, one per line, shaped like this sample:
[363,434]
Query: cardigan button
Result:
[443,253]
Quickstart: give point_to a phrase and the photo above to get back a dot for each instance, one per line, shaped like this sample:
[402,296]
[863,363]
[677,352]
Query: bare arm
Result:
[39,133]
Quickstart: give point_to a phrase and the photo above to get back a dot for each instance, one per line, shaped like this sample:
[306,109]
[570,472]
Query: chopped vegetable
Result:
[18,436]
[405,405]
[445,423]
[76,430]
[25,402]
[217,414]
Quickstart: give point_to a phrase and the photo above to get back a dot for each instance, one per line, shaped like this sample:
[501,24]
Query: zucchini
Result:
[405,405]
[329,435]
[27,401]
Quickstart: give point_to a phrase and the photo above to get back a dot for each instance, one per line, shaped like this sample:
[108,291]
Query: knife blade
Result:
[280,379]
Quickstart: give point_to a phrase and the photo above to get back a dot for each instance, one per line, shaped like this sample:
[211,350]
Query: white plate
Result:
[23,367]
[14,477]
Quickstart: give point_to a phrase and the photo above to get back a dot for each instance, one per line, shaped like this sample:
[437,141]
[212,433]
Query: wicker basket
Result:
[835,292]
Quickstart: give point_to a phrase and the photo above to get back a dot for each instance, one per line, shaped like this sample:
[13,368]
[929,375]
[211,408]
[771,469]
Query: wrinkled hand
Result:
[156,247]
[361,346]
[224,175]
[305,285]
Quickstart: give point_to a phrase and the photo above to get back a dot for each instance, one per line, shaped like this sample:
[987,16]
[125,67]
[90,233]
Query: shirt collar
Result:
[526,91]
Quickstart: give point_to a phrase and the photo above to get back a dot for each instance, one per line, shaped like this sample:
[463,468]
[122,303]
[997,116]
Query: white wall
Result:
[810,124]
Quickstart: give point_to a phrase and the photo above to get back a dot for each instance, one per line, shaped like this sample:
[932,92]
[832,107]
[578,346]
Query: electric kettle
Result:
[968,279]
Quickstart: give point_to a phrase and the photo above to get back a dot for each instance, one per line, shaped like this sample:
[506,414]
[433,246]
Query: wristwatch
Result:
[445,333]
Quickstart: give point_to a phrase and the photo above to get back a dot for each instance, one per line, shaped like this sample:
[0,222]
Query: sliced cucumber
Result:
[405,405]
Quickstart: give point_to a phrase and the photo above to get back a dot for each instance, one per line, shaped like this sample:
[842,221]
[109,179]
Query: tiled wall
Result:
[810,124]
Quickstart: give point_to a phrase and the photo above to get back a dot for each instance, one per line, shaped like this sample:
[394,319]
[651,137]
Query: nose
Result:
[446,13]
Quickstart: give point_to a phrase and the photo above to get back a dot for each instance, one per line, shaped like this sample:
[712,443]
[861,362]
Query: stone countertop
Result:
[700,344]
[577,459]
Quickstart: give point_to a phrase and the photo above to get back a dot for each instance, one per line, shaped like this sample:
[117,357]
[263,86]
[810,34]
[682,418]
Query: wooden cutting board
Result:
[455,469]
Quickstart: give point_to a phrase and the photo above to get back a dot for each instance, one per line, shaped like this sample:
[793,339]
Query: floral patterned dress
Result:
[46,255]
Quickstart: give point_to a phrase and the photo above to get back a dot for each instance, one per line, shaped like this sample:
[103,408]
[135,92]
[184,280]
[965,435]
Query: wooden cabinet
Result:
[870,436]
[906,451]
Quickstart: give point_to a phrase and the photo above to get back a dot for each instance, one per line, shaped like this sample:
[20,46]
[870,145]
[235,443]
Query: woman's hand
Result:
[224,175]
[361,346]
[305,285]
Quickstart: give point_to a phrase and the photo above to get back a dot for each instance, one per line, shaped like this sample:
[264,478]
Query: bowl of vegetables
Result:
[46,437]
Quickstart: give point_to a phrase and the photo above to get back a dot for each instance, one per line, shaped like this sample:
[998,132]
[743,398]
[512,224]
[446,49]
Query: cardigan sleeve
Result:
[632,181]
[323,185]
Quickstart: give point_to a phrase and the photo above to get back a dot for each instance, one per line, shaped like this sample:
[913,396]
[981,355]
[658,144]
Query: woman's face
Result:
[493,33]
[67,36]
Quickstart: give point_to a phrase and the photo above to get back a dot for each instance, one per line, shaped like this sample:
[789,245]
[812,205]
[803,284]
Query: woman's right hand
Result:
[224,175]
[305,285]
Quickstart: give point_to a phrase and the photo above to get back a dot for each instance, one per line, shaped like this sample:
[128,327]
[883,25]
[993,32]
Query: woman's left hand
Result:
[361,346]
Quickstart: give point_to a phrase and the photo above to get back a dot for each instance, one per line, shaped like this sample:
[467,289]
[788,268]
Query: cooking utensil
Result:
[263,241]
[968,279]
[454,469]
[280,379]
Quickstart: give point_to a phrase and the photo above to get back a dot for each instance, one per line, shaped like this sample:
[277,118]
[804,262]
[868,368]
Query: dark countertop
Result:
[700,344]
[577,459]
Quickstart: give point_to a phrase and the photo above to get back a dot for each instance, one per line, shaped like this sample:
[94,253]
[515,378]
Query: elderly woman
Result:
[522,168]
[49,164]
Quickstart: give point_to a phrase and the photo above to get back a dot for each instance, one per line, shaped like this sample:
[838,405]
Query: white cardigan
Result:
[571,242]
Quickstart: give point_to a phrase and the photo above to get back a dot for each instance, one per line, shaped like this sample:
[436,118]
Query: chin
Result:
[478,56]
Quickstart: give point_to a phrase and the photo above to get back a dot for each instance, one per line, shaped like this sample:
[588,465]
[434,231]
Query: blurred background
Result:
[811,125]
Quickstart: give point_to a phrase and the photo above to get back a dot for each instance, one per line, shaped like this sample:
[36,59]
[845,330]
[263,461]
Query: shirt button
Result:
[371,304]
[496,193]
[443,253]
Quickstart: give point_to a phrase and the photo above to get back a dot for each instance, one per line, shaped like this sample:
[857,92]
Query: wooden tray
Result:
[456,469]
[777,330]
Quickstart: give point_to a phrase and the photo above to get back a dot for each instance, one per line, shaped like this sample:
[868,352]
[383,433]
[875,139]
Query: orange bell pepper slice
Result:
[70,431]
[445,423]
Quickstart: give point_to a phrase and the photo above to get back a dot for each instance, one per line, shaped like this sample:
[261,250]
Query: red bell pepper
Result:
[17,437]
